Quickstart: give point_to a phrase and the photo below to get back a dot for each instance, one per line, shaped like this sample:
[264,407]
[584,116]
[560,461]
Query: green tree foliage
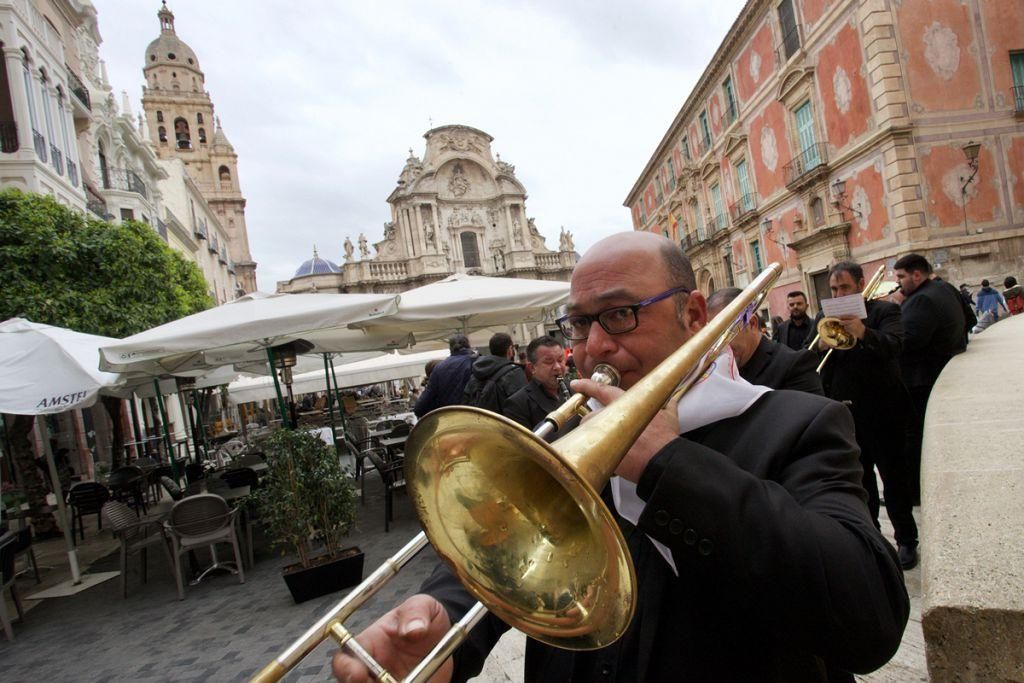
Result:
[61,268]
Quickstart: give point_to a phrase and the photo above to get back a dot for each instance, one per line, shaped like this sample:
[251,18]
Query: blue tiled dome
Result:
[317,266]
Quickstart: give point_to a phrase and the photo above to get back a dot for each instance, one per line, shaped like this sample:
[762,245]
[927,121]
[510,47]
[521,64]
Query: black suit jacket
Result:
[780,367]
[781,333]
[531,404]
[868,375]
[933,326]
[782,574]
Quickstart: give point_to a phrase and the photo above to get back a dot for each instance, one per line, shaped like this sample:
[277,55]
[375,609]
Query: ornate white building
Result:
[458,210]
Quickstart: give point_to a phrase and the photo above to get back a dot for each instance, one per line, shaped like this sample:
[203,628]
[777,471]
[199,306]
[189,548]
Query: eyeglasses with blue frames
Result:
[617,320]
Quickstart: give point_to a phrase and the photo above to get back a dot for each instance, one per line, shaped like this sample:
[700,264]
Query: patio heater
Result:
[283,358]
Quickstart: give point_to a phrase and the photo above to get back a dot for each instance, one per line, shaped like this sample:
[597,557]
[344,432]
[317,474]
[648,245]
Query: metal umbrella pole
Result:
[277,389]
[62,511]
[167,434]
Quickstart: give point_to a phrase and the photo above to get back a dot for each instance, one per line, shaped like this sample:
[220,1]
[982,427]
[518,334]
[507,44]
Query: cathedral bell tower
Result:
[182,125]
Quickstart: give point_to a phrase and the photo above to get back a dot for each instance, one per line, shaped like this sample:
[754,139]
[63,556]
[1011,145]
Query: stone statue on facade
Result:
[516,234]
[565,241]
[459,184]
[389,230]
[364,251]
[349,249]
[505,167]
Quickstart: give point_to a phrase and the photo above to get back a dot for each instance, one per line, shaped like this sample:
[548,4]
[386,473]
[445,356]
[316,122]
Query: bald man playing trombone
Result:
[742,508]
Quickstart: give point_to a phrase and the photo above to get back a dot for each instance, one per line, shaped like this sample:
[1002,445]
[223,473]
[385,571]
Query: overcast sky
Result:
[323,99]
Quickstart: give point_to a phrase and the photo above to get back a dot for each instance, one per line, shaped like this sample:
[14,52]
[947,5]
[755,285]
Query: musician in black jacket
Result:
[765,362]
[545,360]
[934,331]
[867,379]
[755,554]
[798,331]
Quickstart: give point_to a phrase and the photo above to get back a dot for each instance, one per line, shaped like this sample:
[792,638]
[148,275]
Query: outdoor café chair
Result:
[240,476]
[203,520]
[23,546]
[136,537]
[8,549]
[86,498]
[128,485]
[391,475]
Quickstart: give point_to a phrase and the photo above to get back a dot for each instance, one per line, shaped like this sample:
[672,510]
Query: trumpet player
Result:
[867,378]
[545,360]
[742,507]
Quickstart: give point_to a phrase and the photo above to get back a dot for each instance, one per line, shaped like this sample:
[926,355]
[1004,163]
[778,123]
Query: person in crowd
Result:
[933,332]
[867,379]
[447,381]
[965,294]
[495,377]
[990,301]
[1013,295]
[797,332]
[545,359]
[765,362]
[756,556]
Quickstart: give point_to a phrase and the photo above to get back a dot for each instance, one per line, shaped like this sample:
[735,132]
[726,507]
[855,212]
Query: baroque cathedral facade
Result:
[458,210]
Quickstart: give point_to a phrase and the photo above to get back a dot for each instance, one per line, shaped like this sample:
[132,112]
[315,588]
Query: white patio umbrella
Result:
[242,330]
[464,303]
[44,370]
[371,371]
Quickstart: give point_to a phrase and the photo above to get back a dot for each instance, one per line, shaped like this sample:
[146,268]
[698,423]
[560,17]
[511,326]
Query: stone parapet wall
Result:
[972,545]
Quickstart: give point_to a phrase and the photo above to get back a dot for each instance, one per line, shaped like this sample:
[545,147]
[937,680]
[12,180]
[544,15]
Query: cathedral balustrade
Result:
[389,270]
[548,260]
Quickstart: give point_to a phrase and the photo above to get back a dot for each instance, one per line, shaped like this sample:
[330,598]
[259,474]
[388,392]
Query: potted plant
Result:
[307,503]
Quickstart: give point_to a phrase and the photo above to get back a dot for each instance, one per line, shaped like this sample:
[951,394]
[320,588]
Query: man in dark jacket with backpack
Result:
[495,377]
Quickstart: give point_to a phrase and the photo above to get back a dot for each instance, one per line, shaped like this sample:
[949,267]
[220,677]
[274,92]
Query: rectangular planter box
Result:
[324,577]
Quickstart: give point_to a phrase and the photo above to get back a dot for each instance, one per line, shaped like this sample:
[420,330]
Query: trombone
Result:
[831,332]
[519,521]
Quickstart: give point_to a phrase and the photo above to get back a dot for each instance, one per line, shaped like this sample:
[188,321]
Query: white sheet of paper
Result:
[845,305]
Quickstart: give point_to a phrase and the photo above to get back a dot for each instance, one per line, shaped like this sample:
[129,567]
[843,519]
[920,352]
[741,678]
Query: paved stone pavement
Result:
[224,631]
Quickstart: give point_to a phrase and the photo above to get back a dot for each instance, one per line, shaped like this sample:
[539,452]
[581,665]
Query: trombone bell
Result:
[832,334]
[522,530]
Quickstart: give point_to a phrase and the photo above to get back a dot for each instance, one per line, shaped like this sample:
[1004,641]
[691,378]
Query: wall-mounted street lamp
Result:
[970,150]
[767,227]
[838,195]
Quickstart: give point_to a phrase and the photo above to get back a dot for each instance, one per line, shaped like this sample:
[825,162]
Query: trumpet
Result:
[831,332]
[520,521]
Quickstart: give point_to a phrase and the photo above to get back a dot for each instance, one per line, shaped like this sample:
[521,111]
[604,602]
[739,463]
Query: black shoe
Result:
[908,556]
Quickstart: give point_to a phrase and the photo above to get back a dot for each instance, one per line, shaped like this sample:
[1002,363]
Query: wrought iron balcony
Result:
[40,143]
[8,137]
[807,165]
[1018,99]
[200,229]
[72,173]
[222,256]
[78,88]
[718,223]
[57,160]
[212,246]
[99,209]
[729,115]
[161,229]
[744,209]
[125,179]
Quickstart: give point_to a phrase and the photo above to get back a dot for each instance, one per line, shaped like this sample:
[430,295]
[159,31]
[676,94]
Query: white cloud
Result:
[323,99]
